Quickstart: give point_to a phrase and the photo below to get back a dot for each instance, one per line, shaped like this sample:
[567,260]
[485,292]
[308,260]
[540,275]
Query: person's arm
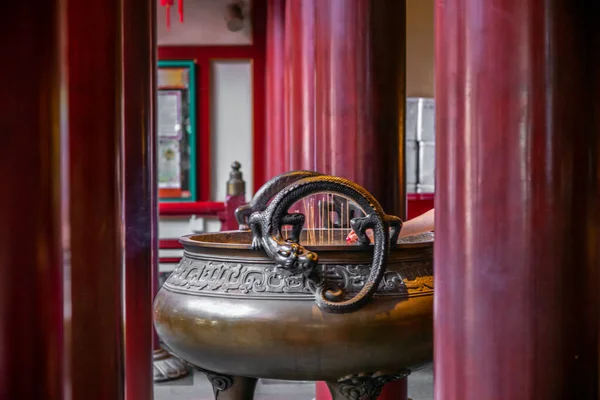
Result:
[421,224]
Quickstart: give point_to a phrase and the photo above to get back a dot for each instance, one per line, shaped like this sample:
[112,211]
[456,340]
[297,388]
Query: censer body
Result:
[252,304]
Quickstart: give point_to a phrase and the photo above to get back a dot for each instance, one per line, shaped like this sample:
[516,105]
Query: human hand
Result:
[421,224]
[353,237]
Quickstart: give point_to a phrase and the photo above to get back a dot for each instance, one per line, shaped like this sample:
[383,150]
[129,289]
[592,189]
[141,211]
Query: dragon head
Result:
[295,259]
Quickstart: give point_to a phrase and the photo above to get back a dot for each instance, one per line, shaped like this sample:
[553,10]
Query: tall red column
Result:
[60,237]
[140,181]
[336,92]
[518,178]
[276,142]
[299,85]
[31,208]
[93,66]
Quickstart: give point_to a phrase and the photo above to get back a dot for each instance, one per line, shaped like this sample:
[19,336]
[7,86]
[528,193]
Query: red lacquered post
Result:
[276,139]
[299,86]
[95,193]
[339,85]
[517,200]
[141,209]
[360,95]
[31,204]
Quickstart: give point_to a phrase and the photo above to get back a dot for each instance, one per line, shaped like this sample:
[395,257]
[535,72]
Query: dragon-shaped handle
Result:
[266,192]
[293,258]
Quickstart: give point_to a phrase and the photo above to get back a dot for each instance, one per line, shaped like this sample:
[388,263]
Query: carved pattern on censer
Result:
[196,276]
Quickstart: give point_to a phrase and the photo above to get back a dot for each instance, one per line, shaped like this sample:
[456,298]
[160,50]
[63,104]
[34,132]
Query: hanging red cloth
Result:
[168,4]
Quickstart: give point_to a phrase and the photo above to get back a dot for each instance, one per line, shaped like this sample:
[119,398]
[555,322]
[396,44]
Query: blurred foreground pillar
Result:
[517,201]
[93,108]
[140,192]
[61,237]
[32,204]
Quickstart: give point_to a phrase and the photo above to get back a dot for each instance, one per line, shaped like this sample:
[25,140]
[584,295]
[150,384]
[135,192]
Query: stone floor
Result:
[196,387]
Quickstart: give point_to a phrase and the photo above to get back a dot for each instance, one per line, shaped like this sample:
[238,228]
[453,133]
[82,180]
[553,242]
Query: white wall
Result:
[231,123]
[204,25]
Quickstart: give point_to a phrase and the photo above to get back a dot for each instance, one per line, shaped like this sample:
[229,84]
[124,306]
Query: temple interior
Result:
[234,200]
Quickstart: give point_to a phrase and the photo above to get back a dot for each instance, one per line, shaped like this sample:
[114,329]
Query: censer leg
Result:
[362,386]
[354,392]
[227,387]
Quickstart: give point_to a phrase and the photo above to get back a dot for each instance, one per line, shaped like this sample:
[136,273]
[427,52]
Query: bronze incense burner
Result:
[258,303]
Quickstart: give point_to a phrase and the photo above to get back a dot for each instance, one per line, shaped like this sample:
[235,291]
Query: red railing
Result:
[199,208]
[419,203]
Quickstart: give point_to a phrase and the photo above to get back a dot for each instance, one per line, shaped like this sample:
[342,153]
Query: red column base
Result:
[397,390]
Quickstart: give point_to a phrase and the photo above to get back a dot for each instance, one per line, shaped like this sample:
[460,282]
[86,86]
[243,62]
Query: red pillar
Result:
[61,234]
[276,140]
[517,229]
[31,207]
[338,80]
[141,208]
[95,196]
[299,85]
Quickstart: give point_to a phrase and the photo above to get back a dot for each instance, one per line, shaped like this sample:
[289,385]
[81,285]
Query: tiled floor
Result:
[196,387]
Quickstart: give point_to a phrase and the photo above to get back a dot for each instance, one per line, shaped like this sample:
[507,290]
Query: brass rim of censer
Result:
[242,240]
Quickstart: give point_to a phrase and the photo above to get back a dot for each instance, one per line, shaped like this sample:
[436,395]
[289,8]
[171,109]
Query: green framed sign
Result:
[176,131]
